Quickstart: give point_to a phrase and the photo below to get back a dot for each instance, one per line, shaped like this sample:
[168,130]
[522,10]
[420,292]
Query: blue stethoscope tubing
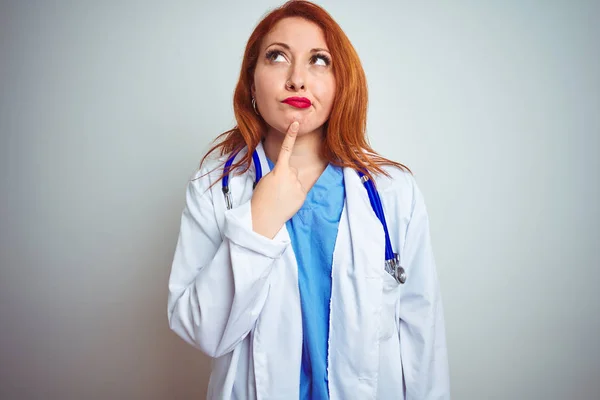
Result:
[392,260]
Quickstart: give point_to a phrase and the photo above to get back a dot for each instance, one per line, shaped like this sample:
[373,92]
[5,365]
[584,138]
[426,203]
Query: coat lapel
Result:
[277,338]
[356,296]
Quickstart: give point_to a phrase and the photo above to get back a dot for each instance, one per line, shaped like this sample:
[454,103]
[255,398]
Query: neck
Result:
[306,154]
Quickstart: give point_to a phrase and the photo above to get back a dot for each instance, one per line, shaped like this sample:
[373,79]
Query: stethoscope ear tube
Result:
[227,167]
[392,260]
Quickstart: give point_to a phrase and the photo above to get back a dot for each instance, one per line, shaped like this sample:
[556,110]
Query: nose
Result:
[290,85]
[296,80]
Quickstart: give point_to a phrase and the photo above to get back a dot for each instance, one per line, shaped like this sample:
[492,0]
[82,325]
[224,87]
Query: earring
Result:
[254,106]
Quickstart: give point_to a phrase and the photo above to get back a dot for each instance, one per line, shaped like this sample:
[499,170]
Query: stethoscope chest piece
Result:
[401,275]
[393,267]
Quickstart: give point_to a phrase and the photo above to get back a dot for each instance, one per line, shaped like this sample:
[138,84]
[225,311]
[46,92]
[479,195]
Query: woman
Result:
[283,279]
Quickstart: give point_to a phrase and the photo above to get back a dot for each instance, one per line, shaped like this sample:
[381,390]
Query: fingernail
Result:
[295,126]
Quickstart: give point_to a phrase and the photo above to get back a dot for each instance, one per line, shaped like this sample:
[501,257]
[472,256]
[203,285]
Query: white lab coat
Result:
[234,295]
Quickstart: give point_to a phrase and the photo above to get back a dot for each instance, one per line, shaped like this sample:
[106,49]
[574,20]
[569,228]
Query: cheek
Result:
[325,92]
[267,81]
[261,83]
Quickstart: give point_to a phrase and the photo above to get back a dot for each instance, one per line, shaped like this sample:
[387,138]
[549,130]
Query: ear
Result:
[253,90]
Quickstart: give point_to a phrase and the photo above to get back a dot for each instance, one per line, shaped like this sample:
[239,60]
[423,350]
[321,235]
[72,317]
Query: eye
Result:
[272,55]
[326,60]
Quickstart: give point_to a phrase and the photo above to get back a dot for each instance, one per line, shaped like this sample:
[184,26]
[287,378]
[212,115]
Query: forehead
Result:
[297,32]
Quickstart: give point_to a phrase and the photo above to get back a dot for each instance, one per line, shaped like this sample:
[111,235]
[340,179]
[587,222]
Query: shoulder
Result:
[399,191]
[210,171]
[204,176]
[398,181]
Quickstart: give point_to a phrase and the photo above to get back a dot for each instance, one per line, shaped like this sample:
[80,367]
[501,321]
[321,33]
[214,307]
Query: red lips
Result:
[298,102]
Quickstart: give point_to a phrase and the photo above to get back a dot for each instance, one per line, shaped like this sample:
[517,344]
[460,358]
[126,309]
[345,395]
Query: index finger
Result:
[288,144]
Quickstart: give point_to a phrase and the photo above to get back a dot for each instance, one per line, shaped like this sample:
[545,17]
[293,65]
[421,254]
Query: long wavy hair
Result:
[345,143]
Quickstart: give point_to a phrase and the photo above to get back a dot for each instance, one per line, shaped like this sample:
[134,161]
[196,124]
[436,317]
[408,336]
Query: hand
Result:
[279,194]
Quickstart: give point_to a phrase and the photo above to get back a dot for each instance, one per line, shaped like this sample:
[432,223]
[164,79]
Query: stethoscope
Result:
[392,260]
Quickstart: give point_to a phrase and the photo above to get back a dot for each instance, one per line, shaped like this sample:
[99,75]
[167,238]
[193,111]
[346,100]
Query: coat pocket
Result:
[389,300]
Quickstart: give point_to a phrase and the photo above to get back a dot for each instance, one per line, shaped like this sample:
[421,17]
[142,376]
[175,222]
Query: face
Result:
[294,52]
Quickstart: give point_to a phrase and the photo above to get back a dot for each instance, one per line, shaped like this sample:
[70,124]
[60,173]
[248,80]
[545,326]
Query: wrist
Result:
[265,222]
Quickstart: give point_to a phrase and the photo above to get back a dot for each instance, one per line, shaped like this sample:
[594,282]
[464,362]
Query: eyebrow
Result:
[287,47]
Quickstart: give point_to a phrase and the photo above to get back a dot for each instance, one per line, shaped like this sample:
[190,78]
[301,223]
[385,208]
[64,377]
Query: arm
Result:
[422,327]
[218,286]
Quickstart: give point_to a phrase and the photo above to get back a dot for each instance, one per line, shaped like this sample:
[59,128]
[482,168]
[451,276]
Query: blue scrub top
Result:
[313,232]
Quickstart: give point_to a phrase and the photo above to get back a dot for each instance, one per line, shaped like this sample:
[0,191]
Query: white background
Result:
[107,107]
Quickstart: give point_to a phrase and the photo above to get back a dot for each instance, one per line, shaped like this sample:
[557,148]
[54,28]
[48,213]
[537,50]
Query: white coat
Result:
[234,295]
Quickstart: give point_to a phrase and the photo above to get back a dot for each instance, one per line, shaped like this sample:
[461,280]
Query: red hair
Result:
[345,143]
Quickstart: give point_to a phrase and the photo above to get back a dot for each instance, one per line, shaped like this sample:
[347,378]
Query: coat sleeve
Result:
[422,327]
[218,283]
